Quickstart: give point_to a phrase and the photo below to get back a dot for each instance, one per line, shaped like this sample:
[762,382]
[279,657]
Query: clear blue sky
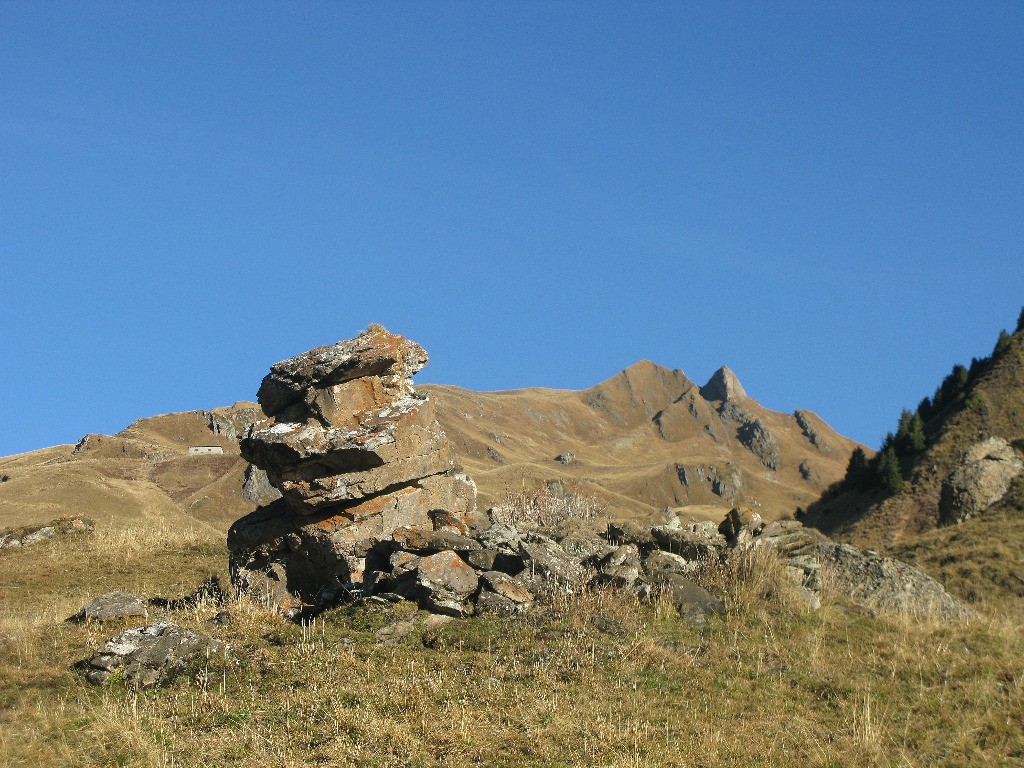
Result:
[828,198]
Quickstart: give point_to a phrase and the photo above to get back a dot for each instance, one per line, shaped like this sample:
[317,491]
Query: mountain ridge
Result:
[642,439]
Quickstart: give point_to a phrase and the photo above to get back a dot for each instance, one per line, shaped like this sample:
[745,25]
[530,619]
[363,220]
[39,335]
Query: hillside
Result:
[992,406]
[645,439]
[142,475]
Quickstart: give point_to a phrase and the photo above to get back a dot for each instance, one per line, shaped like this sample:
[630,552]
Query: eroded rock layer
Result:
[355,453]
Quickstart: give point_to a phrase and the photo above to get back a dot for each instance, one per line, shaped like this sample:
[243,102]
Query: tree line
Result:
[890,467]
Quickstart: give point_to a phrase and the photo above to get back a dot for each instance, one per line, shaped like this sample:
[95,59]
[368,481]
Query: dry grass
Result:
[601,680]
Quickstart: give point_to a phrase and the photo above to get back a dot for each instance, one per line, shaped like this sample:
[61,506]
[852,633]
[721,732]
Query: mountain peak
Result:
[723,385]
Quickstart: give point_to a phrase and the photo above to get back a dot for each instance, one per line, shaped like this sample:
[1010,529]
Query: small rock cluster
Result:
[356,453]
[27,536]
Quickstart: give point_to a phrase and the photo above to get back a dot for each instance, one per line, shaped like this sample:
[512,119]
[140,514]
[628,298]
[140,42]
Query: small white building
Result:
[205,450]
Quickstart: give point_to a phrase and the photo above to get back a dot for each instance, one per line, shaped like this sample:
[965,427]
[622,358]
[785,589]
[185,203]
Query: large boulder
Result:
[981,478]
[887,584]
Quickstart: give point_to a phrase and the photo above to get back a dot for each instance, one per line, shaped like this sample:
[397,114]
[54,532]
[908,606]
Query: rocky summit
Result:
[356,453]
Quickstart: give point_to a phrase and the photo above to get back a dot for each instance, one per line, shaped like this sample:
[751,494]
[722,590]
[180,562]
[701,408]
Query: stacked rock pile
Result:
[355,453]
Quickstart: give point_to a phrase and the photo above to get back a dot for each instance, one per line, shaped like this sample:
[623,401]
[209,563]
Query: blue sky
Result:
[828,198]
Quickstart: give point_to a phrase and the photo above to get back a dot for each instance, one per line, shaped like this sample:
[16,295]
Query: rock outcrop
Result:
[356,454]
[981,478]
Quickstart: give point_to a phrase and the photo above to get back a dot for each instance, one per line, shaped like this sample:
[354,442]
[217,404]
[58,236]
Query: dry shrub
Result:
[545,509]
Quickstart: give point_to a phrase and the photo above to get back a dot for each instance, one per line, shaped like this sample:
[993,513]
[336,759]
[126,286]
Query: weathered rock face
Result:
[982,478]
[355,454]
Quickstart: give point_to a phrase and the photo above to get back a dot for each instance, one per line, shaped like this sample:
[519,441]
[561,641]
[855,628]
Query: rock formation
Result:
[356,454]
[982,478]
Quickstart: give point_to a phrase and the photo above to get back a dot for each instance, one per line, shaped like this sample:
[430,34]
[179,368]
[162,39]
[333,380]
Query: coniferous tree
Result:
[902,440]
[925,409]
[1020,321]
[858,471]
[1002,344]
[917,438]
[888,471]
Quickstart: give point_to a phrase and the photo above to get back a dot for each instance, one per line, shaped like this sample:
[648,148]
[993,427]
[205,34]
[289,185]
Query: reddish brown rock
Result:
[390,358]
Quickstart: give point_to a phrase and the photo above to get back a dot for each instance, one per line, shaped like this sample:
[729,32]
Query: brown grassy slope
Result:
[142,475]
[628,434]
[993,407]
[982,559]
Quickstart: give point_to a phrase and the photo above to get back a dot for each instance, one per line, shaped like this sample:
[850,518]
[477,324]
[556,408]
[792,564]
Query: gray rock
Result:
[501,537]
[396,632]
[552,565]
[111,606]
[256,487]
[621,567]
[152,655]
[374,353]
[492,602]
[887,584]
[629,532]
[756,436]
[565,458]
[687,543]
[659,560]
[507,586]
[427,542]
[809,424]
[723,386]
[14,538]
[694,603]
[445,583]
[981,478]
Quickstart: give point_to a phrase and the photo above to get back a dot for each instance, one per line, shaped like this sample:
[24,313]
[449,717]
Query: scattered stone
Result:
[565,458]
[551,565]
[694,603]
[981,478]
[428,542]
[111,606]
[660,560]
[507,586]
[25,536]
[397,631]
[629,532]
[153,655]
[687,543]
[621,567]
